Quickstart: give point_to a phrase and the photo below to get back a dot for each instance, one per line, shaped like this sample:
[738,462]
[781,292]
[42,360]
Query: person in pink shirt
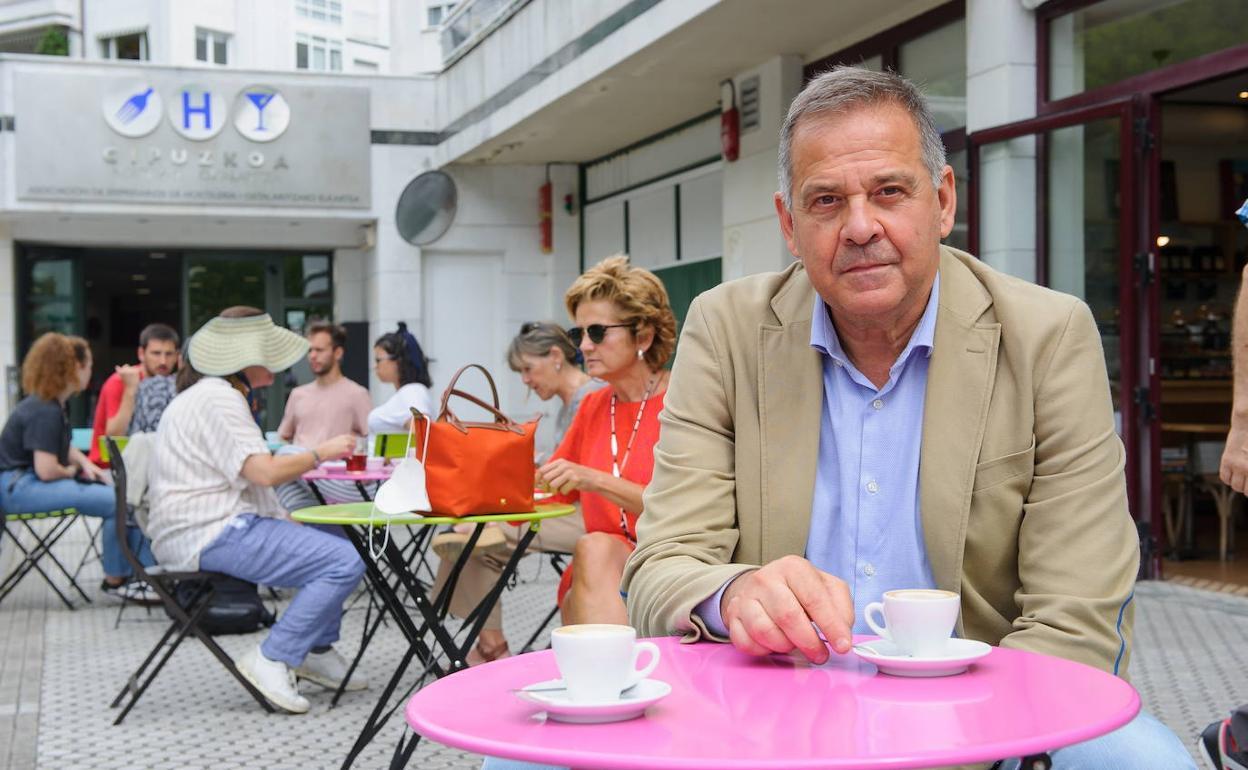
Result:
[330,405]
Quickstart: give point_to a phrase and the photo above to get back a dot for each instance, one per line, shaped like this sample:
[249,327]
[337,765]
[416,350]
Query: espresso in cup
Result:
[919,621]
[598,661]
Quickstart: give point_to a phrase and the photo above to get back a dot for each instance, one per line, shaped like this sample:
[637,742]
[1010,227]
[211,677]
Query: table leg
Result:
[416,645]
[317,493]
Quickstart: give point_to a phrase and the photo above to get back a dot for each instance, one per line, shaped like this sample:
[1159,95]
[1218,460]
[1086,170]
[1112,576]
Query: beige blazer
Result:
[1022,493]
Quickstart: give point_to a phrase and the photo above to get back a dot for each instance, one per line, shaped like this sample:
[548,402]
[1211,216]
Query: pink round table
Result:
[730,710]
[321,473]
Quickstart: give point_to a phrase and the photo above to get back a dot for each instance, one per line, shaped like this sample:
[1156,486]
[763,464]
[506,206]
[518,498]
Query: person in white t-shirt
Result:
[213,507]
[400,362]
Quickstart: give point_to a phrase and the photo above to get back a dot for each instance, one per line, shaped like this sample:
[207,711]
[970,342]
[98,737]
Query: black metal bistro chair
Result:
[40,550]
[185,619]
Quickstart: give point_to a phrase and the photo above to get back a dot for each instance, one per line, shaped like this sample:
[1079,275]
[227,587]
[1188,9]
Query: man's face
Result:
[159,357]
[323,357]
[866,221]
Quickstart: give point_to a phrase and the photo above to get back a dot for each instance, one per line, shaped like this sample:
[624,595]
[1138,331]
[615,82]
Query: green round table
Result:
[363,515]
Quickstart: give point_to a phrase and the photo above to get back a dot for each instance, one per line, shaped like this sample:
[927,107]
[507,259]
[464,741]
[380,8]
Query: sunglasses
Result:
[595,332]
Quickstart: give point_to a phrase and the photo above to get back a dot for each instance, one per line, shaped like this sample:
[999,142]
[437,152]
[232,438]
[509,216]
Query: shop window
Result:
[212,47]
[1116,39]
[317,53]
[132,46]
[320,10]
[936,62]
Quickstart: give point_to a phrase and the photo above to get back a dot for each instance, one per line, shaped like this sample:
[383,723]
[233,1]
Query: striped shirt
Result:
[196,472]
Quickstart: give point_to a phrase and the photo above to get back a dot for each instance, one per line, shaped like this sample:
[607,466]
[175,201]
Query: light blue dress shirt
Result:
[865,526]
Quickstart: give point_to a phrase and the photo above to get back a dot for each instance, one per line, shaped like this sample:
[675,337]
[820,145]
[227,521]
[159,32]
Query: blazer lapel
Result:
[790,383]
[959,387]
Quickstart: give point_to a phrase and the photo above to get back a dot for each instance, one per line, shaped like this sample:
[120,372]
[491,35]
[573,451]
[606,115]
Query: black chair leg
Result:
[31,557]
[181,627]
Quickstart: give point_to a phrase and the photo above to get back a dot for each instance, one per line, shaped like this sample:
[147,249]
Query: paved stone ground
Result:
[60,669]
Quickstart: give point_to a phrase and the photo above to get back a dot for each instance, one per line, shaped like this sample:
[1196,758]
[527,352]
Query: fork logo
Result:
[133,109]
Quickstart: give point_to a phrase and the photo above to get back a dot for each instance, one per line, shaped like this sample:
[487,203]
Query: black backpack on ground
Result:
[234,608]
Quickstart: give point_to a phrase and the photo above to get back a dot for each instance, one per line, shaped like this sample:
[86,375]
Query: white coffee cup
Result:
[598,661]
[918,620]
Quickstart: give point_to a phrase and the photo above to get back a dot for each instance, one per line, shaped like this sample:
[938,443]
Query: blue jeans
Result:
[275,552]
[21,491]
[1141,744]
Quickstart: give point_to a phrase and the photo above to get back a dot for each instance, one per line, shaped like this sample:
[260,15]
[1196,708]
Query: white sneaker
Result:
[274,679]
[328,669]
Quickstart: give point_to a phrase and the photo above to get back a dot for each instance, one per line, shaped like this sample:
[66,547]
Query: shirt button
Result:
[872,487]
[869,570]
[878,404]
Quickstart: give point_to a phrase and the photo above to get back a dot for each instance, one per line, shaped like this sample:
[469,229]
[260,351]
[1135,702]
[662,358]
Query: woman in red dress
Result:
[626,331]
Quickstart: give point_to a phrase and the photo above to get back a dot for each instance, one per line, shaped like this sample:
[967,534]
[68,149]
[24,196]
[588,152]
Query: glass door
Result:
[1059,200]
[51,287]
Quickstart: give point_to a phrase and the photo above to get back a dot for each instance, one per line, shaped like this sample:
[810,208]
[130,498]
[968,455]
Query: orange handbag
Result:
[476,467]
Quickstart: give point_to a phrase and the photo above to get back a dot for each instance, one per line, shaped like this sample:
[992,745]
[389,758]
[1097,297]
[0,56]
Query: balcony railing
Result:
[472,21]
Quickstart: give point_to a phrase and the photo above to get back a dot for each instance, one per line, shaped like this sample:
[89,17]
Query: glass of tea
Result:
[358,460]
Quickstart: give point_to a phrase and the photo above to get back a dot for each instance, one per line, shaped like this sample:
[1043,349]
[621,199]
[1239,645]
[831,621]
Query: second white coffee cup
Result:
[598,661]
[918,620]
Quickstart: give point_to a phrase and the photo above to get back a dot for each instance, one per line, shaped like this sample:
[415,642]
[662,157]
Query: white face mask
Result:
[404,491]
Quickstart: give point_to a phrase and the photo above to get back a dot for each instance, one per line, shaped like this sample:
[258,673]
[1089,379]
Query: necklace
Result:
[617,465]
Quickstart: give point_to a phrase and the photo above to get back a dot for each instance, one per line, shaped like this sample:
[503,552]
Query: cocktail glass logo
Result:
[197,113]
[133,109]
[261,114]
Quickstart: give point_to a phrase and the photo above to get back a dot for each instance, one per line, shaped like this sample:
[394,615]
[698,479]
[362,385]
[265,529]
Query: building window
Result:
[131,46]
[931,51]
[212,47]
[1112,40]
[317,53]
[437,12]
[360,65]
[320,10]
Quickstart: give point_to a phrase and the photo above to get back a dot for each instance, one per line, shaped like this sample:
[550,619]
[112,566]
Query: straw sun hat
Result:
[224,346]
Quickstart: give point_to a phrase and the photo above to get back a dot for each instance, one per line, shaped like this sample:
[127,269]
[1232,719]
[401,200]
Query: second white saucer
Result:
[886,656]
[631,704]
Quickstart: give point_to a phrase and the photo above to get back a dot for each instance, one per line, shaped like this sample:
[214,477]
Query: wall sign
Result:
[165,138]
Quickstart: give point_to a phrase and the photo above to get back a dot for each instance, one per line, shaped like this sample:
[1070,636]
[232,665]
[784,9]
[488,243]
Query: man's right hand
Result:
[1234,468]
[129,375]
[771,609]
[337,447]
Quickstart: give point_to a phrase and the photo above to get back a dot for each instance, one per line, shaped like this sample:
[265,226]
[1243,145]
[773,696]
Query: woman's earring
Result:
[640,353]
[558,366]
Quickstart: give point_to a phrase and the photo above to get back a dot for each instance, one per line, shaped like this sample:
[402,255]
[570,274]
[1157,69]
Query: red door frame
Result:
[1137,316]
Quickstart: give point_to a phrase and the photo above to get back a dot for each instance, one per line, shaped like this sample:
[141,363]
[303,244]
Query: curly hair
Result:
[637,294]
[51,365]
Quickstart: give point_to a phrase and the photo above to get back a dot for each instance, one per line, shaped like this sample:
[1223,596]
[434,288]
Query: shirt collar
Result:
[823,335]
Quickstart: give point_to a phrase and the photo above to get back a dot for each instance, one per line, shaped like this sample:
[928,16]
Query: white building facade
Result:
[1052,118]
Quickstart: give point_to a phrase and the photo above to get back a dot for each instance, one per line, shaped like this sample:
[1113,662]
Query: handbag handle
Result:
[502,421]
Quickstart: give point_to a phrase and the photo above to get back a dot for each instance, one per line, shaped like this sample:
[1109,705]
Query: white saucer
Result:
[960,654]
[631,704]
[334,465]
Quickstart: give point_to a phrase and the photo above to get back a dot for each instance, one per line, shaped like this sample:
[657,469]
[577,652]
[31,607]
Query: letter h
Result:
[205,109]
